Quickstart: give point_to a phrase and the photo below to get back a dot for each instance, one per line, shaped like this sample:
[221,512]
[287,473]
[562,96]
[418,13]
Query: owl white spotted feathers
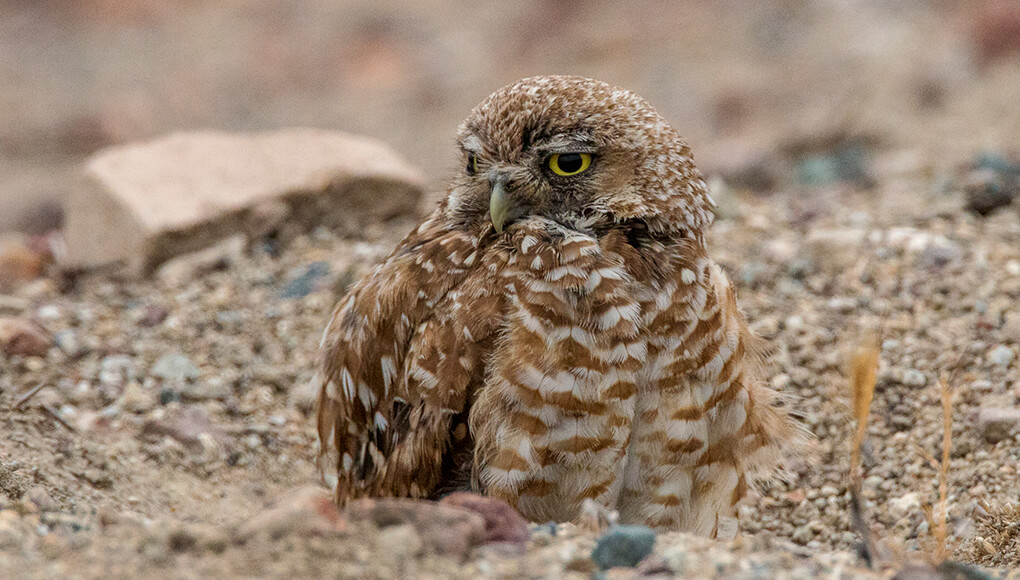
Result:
[555,330]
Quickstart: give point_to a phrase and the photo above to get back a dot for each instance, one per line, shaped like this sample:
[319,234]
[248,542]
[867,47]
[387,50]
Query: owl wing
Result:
[399,361]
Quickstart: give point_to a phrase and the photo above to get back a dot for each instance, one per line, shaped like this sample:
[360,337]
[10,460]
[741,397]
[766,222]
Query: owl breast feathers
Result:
[555,331]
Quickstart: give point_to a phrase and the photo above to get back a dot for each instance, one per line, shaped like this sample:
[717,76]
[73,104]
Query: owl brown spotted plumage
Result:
[555,330]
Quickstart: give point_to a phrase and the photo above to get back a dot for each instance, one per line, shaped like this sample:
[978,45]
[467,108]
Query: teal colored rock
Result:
[623,547]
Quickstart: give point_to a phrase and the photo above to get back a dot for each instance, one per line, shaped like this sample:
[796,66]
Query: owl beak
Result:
[499,203]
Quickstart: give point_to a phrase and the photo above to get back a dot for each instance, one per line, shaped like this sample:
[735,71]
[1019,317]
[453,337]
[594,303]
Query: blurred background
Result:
[934,81]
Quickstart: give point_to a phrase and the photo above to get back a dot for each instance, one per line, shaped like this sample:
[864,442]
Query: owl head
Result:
[579,152]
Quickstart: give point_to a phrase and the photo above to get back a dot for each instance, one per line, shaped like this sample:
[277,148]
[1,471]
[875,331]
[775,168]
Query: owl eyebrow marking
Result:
[568,143]
[472,144]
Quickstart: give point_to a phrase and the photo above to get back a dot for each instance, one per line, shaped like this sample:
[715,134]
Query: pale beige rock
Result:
[149,202]
[998,424]
[835,249]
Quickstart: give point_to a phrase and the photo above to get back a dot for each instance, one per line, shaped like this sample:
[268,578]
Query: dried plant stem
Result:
[940,528]
[56,417]
[863,370]
[29,394]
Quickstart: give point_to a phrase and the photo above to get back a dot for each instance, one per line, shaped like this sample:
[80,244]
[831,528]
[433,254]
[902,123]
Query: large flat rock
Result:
[145,203]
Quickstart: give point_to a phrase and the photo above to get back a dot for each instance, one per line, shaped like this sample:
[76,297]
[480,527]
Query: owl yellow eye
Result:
[472,164]
[567,164]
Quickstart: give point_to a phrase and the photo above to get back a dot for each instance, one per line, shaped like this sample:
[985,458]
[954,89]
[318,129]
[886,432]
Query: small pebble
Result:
[623,546]
[914,378]
[1001,356]
[174,367]
[905,505]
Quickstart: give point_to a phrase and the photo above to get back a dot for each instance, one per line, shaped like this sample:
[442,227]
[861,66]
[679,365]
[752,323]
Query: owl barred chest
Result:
[554,331]
[599,388]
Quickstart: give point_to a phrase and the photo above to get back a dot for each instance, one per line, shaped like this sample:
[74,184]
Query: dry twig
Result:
[937,517]
[863,371]
[56,417]
[28,395]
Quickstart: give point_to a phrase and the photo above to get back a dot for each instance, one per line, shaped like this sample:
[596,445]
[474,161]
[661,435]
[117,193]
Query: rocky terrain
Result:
[172,410]
[155,420]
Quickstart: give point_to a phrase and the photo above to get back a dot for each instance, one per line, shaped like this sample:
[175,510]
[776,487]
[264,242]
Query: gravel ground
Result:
[176,407]
[149,426]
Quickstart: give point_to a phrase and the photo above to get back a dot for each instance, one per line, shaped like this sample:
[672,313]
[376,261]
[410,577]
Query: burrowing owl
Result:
[555,330]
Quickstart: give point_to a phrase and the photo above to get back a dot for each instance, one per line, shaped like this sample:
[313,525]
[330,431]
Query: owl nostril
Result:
[503,178]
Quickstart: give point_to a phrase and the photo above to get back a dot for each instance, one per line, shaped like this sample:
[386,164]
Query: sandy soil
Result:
[840,143]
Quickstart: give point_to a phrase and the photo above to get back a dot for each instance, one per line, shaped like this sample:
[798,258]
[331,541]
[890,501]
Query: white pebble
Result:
[1001,356]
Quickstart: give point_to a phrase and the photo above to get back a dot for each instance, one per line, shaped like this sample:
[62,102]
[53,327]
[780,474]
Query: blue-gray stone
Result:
[623,547]
[996,163]
[305,281]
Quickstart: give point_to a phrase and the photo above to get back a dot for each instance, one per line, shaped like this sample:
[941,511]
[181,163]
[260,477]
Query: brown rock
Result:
[306,511]
[502,522]
[21,336]
[190,426]
[444,529]
[150,202]
[998,424]
[20,263]
[996,29]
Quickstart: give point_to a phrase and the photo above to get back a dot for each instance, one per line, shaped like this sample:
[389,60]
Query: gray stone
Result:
[305,280]
[940,252]
[914,378]
[149,202]
[623,546]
